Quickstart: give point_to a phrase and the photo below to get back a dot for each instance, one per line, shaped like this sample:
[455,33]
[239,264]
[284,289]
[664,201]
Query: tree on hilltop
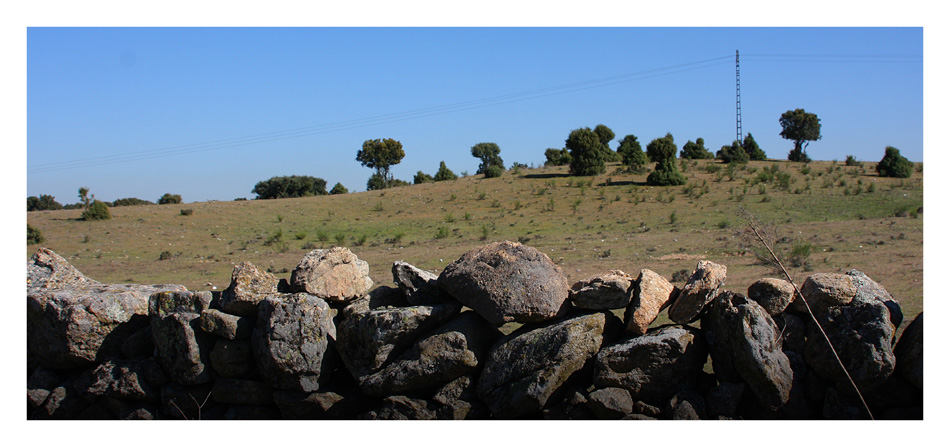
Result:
[894,164]
[587,154]
[488,154]
[632,154]
[800,127]
[696,151]
[380,154]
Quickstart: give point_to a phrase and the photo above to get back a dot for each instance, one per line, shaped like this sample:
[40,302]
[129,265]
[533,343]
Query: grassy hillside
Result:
[846,215]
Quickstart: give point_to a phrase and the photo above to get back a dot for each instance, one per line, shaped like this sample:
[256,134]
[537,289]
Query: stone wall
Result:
[326,345]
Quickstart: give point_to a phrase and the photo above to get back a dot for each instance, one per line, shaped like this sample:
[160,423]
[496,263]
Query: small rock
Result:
[334,274]
[773,294]
[652,293]
[701,288]
[610,290]
[249,285]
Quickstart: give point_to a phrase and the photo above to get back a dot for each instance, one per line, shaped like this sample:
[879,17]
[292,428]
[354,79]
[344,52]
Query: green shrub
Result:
[752,148]
[187,212]
[165,255]
[894,165]
[300,235]
[422,177]
[33,236]
[131,201]
[442,233]
[666,174]
[695,151]
[43,202]
[557,157]
[97,211]
[494,171]
[733,153]
[169,198]
[338,189]
[444,173]
[851,161]
[587,152]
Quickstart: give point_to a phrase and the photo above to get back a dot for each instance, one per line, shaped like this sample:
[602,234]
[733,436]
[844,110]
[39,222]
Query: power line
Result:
[375,120]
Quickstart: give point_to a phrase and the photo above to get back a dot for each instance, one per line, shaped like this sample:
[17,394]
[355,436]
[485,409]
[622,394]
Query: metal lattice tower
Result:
[738,104]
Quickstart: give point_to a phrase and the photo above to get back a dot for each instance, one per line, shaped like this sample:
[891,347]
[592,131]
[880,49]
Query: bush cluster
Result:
[894,164]
[290,186]
[96,211]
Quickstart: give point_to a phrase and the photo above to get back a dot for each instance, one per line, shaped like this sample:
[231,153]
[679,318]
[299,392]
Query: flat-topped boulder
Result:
[335,275]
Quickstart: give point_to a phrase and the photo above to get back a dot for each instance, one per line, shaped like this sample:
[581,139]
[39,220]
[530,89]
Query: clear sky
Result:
[209,112]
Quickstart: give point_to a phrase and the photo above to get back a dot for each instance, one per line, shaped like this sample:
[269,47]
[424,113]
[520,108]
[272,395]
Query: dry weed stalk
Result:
[765,235]
[202,404]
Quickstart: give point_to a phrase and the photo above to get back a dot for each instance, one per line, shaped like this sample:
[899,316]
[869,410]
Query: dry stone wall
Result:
[324,345]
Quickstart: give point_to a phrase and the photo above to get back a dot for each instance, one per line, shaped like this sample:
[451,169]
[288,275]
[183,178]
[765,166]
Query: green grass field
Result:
[845,216]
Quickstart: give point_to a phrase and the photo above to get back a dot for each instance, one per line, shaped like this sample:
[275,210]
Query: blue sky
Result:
[208,112]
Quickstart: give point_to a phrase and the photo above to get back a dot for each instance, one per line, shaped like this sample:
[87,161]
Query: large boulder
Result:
[291,340]
[610,290]
[233,358]
[746,337]
[249,285]
[450,351]
[861,334]
[507,281]
[182,348]
[48,270]
[334,274]
[525,368]
[651,294]
[368,338]
[701,288]
[655,366]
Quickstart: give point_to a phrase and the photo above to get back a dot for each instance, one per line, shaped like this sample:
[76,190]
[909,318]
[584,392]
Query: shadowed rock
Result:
[655,366]
[231,327]
[505,282]
[909,352]
[524,369]
[419,286]
[183,349]
[870,290]
[610,290]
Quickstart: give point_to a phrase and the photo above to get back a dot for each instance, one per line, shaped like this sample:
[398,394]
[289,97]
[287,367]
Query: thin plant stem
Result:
[750,219]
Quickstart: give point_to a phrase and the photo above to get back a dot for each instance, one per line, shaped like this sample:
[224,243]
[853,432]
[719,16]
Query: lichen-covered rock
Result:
[651,294]
[701,288]
[824,290]
[773,294]
[334,274]
[419,286]
[249,285]
[370,337]
[450,351]
[610,290]
[861,334]
[48,270]
[39,385]
[870,290]
[403,408]
[231,327]
[507,281]
[686,405]
[909,352]
[182,347]
[73,326]
[291,340]
[655,366]
[526,367]
[748,338]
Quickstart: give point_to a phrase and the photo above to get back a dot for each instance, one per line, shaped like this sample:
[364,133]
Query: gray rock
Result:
[419,286]
[507,281]
[231,327]
[317,405]
[39,385]
[249,285]
[233,358]
[610,403]
[450,351]
[701,288]
[74,326]
[793,332]
[62,403]
[291,340]
[457,400]
[909,352]
[747,337]
[655,366]
[640,407]
[403,408]
[334,274]
[369,338]
[526,367]
[182,348]
[610,290]
[861,334]
[652,293]
[774,295]
[242,392]
[870,290]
